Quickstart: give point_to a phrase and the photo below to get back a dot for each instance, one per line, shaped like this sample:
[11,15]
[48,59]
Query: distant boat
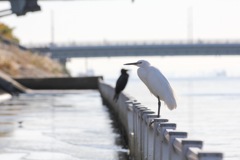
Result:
[221,73]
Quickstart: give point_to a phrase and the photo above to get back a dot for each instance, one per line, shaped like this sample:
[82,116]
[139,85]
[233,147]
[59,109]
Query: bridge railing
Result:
[125,43]
[149,137]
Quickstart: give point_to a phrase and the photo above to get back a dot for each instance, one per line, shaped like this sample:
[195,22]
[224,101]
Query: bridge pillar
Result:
[63,61]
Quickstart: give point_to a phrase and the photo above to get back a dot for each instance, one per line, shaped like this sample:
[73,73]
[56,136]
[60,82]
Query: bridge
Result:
[139,49]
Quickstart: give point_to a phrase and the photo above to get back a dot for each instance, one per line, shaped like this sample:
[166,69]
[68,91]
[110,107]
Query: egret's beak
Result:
[131,63]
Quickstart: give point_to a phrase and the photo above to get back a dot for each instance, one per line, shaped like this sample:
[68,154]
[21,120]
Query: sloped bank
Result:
[11,86]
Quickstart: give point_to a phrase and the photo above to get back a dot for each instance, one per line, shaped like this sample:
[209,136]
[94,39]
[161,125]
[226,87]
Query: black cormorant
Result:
[121,83]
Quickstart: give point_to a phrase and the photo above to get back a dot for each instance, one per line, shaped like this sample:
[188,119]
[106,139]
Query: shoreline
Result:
[4,96]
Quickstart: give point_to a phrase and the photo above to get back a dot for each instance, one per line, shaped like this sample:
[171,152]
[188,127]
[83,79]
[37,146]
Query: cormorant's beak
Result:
[135,63]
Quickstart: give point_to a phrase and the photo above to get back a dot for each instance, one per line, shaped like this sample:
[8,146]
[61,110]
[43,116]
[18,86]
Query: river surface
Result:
[55,125]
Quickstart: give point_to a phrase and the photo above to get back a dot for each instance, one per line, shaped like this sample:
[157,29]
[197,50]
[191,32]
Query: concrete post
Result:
[137,130]
[146,129]
[181,146]
[159,139]
[170,136]
[152,135]
[131,126]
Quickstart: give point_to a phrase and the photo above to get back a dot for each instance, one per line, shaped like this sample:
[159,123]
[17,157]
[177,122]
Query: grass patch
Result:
[20,63]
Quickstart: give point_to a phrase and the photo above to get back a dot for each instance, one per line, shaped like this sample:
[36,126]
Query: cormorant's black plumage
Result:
[121,83]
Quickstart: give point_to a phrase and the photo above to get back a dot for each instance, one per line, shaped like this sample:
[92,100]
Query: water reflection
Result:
[120,140]
[59,126]
[8,117]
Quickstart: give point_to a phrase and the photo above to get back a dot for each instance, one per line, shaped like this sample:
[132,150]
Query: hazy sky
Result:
[122,20]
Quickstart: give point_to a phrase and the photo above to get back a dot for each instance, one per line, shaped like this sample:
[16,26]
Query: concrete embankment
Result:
[23,85]
[61,82]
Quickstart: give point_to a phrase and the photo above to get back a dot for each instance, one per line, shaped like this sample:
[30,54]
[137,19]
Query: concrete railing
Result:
[149,137]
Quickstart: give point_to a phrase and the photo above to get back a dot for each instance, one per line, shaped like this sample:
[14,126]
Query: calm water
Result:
[58,126]
[207,89]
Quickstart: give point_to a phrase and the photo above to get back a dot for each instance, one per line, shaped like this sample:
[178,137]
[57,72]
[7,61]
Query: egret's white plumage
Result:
[156,83]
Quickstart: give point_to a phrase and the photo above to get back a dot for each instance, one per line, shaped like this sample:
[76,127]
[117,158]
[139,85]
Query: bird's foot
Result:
[151,122]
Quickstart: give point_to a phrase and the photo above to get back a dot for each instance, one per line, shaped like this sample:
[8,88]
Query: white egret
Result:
[156,83]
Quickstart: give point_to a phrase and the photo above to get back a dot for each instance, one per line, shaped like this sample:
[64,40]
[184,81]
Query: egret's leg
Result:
[159,106]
